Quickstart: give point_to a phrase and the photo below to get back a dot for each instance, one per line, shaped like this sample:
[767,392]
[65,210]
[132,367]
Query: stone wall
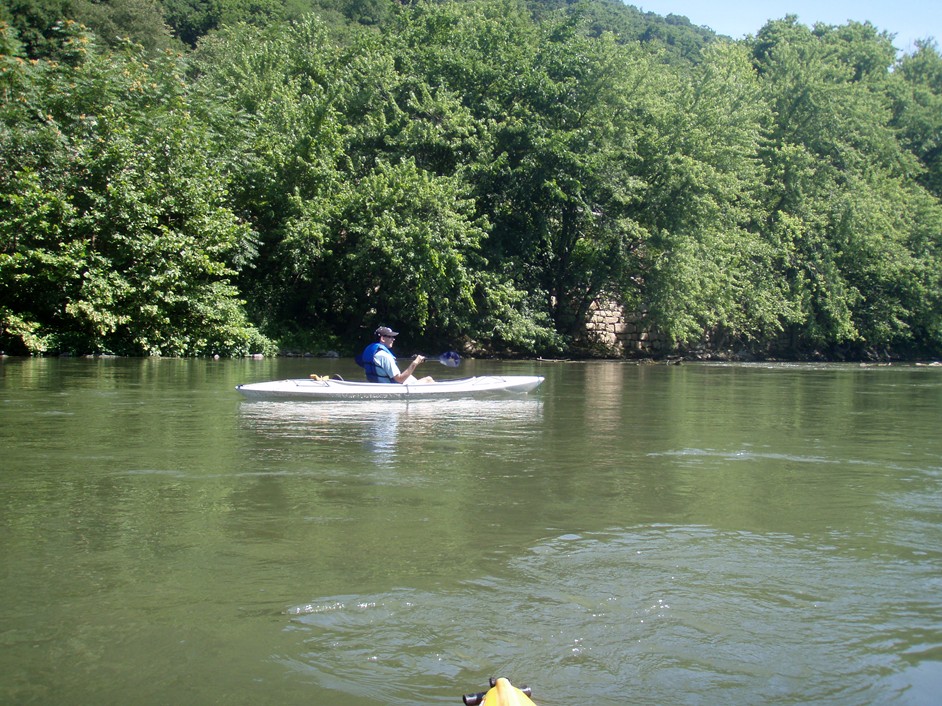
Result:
[610,331]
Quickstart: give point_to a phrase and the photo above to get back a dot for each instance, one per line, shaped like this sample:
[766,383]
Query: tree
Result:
[839,198]
[116,21]
[351,229]
[191,20]
[33,22]
[707,267]
[552,152]
[917,93]
[398,250]
[111,21]
[116,236]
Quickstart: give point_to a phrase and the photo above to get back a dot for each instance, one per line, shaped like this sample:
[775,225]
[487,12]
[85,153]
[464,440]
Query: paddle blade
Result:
[450,359]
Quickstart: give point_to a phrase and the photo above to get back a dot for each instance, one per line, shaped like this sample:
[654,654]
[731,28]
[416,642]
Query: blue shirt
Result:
[385,363]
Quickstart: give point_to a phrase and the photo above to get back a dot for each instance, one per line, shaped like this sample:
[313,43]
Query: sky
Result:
[907,19]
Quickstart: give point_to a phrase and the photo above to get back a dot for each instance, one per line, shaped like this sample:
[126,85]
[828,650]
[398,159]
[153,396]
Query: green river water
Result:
[627,534]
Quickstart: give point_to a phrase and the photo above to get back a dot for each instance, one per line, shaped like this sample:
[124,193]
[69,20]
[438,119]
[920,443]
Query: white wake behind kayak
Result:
[310,389]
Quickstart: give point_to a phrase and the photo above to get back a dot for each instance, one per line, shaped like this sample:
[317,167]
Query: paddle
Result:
[449,359]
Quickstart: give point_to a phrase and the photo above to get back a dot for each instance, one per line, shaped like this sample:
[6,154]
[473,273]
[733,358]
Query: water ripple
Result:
[600,618]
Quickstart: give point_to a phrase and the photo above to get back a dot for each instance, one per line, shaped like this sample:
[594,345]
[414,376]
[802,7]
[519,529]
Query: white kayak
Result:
[331,389]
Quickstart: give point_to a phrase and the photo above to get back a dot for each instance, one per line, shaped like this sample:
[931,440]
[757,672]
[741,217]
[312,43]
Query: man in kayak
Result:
[380,363]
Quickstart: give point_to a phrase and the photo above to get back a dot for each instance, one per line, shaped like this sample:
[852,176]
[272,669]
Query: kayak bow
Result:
[501,693]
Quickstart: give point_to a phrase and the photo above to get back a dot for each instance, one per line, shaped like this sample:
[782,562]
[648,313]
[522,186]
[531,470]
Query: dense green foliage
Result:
[476,173]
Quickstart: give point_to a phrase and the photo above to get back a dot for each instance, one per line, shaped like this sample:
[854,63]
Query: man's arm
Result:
[407,373]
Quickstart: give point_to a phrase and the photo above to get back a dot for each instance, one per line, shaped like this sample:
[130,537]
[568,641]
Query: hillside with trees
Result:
[191,178]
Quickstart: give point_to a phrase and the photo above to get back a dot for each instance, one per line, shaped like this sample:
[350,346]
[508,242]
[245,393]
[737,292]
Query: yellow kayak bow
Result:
[501,693]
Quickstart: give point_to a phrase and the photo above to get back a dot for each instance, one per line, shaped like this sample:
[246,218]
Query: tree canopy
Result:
[183,178]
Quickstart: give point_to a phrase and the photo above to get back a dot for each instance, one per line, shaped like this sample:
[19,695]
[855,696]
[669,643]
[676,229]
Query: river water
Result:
[627,534]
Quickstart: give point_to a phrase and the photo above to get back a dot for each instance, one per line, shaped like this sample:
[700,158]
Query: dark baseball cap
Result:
[386,331]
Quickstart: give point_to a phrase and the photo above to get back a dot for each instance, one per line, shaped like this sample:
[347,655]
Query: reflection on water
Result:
[377,425]
[280,417]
